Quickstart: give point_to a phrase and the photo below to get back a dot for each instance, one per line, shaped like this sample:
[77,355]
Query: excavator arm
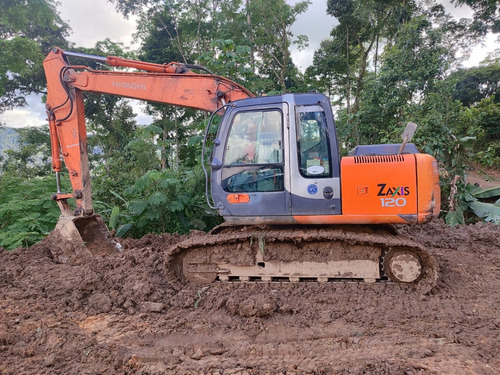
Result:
[172,83]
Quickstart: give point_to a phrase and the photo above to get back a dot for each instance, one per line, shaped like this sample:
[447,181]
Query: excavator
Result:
[294,209]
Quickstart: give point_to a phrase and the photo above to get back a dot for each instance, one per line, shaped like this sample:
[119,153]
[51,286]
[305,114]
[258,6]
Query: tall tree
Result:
[343,62]
[186,28]
[422,53]
[28,29]
[270,32]
[486,15]
[477,83]
[170,33]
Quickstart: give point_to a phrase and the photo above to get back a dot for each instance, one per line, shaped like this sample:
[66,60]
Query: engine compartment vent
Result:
[379,159]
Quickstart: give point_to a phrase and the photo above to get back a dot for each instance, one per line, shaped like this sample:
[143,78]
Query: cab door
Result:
[248,168]
[314,160]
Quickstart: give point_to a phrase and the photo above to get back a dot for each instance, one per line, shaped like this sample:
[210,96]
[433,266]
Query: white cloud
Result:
[95,20]
[91,21]
[316,25]
[481,51]
[31,115]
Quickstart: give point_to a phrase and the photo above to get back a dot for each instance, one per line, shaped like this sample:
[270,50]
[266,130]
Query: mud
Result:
[115,313]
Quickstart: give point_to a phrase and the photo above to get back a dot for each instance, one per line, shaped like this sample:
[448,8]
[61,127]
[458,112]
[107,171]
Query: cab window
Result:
[253,157]
[312,142]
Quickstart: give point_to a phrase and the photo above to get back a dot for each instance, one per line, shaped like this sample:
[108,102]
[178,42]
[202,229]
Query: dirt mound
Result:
[116,314]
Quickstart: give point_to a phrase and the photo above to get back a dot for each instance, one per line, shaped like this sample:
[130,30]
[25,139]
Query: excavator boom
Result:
[171,83]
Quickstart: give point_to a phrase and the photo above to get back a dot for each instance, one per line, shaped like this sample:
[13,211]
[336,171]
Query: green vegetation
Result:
[385,63]
[27,215]
[28,29]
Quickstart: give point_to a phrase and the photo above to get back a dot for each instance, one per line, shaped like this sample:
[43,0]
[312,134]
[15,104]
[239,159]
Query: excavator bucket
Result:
[77,238]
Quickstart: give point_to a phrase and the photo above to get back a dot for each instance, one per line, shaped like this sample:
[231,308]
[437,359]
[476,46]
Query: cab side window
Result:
[312,142]
[253,158]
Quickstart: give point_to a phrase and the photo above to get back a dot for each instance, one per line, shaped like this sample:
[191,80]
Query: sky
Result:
[95,20]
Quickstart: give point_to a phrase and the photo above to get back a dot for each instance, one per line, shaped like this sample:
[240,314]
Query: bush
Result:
[27,214]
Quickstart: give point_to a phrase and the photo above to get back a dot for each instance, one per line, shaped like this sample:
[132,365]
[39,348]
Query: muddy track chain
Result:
[239,246]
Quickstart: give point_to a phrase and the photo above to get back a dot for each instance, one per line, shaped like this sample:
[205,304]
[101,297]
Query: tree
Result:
[269,29]
[481,122]
[421,54]
[476,84]
[331,71]
[111,124]
[183,31]
[164,41]
[33,156]
[486,15]
[169,201]
[27,214]
[345,58]
[123,168]
[28,29]
[230,60]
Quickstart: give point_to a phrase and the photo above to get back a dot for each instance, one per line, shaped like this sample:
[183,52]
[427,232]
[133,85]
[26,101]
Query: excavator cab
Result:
[275,157]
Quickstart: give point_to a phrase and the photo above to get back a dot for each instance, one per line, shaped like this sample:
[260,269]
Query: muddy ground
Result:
[118,315]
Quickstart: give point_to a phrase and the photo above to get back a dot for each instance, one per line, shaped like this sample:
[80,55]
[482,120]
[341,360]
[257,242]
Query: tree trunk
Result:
[348,89]
[164,157]
[250,37]
[177,142]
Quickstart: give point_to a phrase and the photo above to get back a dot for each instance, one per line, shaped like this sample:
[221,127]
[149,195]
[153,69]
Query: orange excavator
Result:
[294,210]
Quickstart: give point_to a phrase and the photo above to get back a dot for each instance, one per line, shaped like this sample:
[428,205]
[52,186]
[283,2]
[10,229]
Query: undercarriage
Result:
[322,254]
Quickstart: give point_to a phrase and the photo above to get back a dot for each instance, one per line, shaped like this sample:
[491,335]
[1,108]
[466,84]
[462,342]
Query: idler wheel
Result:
[403,266]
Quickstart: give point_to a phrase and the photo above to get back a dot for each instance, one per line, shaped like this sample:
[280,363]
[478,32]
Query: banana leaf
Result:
[487,211]
[487,193]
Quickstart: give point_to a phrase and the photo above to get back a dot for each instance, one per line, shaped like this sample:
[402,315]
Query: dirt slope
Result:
[117,315]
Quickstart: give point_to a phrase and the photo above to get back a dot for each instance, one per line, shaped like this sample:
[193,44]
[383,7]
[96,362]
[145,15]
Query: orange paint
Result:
[379,185]
[238,198]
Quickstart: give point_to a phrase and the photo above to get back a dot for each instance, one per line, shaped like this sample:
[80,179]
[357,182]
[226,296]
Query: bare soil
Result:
[116,314]
[484,177]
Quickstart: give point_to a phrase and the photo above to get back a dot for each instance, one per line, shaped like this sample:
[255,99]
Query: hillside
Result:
[9,139]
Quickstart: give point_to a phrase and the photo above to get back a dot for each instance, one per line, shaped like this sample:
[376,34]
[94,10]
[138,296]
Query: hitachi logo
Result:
[129,85]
